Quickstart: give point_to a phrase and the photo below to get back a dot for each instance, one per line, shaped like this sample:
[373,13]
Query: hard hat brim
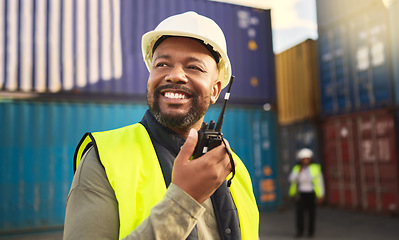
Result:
[149,39]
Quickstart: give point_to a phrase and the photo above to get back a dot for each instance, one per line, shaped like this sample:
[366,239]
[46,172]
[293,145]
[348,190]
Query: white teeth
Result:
[175,95]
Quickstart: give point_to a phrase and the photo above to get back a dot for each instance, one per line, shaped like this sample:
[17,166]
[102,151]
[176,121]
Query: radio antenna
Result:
[218,127]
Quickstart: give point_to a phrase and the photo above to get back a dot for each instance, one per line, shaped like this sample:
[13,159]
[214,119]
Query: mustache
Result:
[158,90]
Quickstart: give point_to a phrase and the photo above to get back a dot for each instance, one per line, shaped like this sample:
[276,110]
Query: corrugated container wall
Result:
[297,79]
[94,47]
[38,140]
[252,133]
[354,57]
[292,138]
[37,143]
[360,161]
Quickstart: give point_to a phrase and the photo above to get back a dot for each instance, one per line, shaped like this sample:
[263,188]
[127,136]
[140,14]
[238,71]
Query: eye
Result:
[194,67]
[161,64]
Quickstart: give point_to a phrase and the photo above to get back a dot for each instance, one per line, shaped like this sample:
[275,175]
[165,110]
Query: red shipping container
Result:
[361,167]
[342,187]
[378,164]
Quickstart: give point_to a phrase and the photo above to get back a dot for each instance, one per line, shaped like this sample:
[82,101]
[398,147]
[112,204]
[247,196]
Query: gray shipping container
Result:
[292,138]
[393,8]
[331,12]
[93,47]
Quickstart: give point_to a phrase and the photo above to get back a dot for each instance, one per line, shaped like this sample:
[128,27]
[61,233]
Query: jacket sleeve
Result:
[92,208]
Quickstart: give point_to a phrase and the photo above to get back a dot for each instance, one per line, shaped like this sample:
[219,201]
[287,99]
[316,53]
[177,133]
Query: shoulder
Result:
[315,165]
[134,128]
[90,175]
[296,167]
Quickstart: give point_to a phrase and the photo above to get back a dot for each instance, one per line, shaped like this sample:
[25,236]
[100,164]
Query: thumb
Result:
[188,147]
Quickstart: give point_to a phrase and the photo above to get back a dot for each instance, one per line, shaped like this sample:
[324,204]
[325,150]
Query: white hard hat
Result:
[190,24]
[304,153]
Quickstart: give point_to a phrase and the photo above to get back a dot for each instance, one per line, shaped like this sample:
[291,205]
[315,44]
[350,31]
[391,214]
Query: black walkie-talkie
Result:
[211,136]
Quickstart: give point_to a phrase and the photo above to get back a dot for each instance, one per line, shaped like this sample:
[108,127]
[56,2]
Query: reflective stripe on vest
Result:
[315,172]
[128,156]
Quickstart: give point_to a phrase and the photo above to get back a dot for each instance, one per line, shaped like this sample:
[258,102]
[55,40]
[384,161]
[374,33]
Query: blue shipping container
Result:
[94,46]
[37,143]
[355,62]
[252,133]
[38,140]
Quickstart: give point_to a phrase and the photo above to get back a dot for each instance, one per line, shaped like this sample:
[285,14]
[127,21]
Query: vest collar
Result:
[161,134]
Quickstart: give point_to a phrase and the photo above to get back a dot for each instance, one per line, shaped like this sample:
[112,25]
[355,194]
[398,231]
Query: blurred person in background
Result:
[139,181]
[307,188]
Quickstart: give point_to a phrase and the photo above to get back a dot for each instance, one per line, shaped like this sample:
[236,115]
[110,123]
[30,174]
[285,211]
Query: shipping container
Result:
[360,160]
[355,61]
[341,174]
[297,80]
[292,138]
[393,8]
[252,133]
[38,140]
[330,12]
[94,47]
[37,144]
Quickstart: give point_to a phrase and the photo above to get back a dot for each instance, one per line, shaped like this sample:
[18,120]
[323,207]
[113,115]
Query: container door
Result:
[340,163]
[377,162]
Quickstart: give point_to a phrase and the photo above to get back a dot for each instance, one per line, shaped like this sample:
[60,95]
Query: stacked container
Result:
[298,106]
[357,104]
[69,67]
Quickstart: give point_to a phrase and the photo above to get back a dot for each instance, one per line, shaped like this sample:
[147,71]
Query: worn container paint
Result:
[355,61]
[94,46]
[297,81]
[292,138]
[360,153]
[252,133]
[38,140]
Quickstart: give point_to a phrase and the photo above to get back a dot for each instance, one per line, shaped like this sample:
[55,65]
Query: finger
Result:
[188,147]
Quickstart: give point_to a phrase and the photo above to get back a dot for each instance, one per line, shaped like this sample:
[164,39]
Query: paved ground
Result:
[332,224]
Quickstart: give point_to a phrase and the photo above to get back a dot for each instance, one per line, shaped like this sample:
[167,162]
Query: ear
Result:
[216,89]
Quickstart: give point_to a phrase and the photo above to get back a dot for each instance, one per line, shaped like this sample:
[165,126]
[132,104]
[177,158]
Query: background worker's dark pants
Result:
[306,204]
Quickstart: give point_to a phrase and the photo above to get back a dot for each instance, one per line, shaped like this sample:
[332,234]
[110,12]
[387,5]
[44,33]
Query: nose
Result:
[177,75]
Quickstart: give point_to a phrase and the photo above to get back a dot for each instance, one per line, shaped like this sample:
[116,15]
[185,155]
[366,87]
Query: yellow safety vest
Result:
[134,172]
[315,172]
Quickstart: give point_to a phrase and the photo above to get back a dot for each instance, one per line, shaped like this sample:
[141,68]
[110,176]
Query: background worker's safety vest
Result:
[315,172]
[134,172]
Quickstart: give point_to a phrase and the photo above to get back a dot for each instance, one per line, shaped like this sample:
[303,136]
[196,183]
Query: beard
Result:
[179,121]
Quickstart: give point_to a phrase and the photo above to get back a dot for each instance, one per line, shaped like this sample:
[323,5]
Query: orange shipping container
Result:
[297,83]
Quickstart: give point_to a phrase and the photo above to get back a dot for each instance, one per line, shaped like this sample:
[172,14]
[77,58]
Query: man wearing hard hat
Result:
[307,187]
[140,181]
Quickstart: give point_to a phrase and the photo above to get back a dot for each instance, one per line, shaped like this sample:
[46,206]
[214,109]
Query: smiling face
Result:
[182,83]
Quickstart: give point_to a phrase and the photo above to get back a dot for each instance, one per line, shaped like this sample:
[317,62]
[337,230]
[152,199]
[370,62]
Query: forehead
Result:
[183,45]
